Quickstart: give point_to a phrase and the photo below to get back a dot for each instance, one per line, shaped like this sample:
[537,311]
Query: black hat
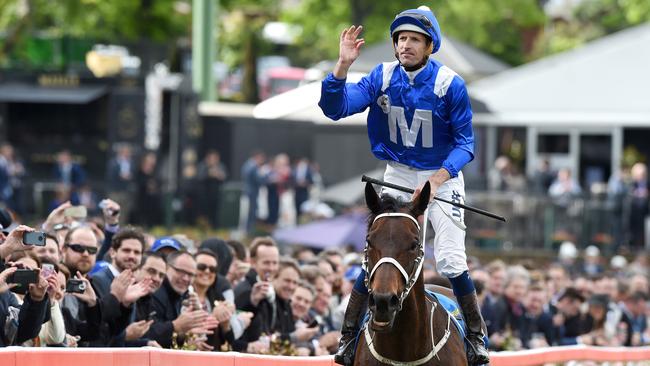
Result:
[572,293]
[5,220]
[601,300]
[221,250]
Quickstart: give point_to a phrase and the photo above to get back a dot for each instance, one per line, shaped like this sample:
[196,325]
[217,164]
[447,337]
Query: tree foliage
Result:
[107,21]
[591,20]
[496,26]
[613,15]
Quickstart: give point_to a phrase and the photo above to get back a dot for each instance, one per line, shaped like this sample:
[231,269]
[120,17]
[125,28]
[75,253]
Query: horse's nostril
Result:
[394,301]
[371,301]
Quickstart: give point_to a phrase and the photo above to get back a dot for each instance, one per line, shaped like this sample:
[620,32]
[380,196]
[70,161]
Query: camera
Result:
[22,277]
[111,212]
[34,238]
[75,286]
[47,270]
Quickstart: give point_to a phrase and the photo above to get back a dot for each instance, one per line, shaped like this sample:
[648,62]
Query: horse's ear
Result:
[421,201]
[372,198]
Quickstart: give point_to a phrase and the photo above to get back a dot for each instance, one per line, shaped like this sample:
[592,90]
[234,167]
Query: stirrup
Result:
[345,354]
[477,354]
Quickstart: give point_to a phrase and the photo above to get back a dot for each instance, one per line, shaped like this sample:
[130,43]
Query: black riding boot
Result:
[476,353]
[357,305]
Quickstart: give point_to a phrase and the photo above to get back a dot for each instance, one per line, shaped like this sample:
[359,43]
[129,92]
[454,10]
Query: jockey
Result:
[420,122]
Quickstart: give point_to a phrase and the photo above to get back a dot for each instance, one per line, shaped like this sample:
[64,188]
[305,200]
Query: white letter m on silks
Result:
[421,119]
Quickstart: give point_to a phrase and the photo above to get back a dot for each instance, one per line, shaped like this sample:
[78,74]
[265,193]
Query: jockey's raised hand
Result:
[349,50]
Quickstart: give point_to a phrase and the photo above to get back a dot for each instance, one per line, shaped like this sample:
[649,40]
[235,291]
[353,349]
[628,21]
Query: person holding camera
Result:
[80,307]
[301,301]
[255,293]
[53,330]
[20,322]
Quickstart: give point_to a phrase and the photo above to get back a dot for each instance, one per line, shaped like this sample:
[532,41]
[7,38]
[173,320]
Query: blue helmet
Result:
[419,20]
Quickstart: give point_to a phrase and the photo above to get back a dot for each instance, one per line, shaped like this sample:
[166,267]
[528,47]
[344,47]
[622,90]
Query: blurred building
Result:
[579,109]
[90,99]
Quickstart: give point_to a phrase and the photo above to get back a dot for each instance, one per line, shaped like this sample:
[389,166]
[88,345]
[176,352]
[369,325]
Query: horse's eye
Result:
[415,245]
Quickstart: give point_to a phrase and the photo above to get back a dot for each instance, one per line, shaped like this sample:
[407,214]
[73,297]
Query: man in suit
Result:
[252,178]
[68,172]
[121,179]
[302,182]
[171,316]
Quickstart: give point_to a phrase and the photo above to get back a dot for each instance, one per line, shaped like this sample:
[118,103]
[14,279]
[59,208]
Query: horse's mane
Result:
[387,204]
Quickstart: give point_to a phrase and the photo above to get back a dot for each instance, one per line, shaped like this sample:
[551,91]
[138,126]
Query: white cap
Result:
[592,251]
[618,262]
[351,258]
[568,250]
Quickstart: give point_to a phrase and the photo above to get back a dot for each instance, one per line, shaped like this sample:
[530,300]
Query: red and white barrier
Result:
[19,356]
[543,356]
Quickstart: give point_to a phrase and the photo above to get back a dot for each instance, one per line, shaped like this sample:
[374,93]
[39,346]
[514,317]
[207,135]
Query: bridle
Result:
[419,260]
[410,282]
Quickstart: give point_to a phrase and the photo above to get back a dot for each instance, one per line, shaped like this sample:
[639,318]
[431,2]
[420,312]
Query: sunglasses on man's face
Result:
[79,248]
[202,267]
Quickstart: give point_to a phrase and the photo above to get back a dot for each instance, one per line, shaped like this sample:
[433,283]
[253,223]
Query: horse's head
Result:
[393,253]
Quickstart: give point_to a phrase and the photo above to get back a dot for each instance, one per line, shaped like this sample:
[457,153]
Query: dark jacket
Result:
[269,317]
[115,181]
[115,316]
[539,324]
[81,320]
[503,315]
[167,304]
[567,333]
[140,311]
[102,281]
[215,293]
[77,175]
[31,316]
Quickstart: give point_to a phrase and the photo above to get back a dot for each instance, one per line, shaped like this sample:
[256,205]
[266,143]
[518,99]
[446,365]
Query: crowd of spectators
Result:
[139,180]
[100,283]
[623,198]
[580,299]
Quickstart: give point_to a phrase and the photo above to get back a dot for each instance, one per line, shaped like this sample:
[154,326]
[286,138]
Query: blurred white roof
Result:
[301,104]
[604,82]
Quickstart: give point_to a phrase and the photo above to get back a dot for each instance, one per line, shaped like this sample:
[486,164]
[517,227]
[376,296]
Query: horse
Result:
[405,326]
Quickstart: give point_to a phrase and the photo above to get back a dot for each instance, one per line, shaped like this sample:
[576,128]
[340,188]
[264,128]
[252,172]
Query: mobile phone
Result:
[34,238]
[75,286]
[102,205]
[47,269]
[77,212]
[23,277]
[314,323]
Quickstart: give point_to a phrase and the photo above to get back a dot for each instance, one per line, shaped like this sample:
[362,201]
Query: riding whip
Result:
[366,178]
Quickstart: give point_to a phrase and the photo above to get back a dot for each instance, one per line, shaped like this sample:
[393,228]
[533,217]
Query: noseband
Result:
[419,261]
